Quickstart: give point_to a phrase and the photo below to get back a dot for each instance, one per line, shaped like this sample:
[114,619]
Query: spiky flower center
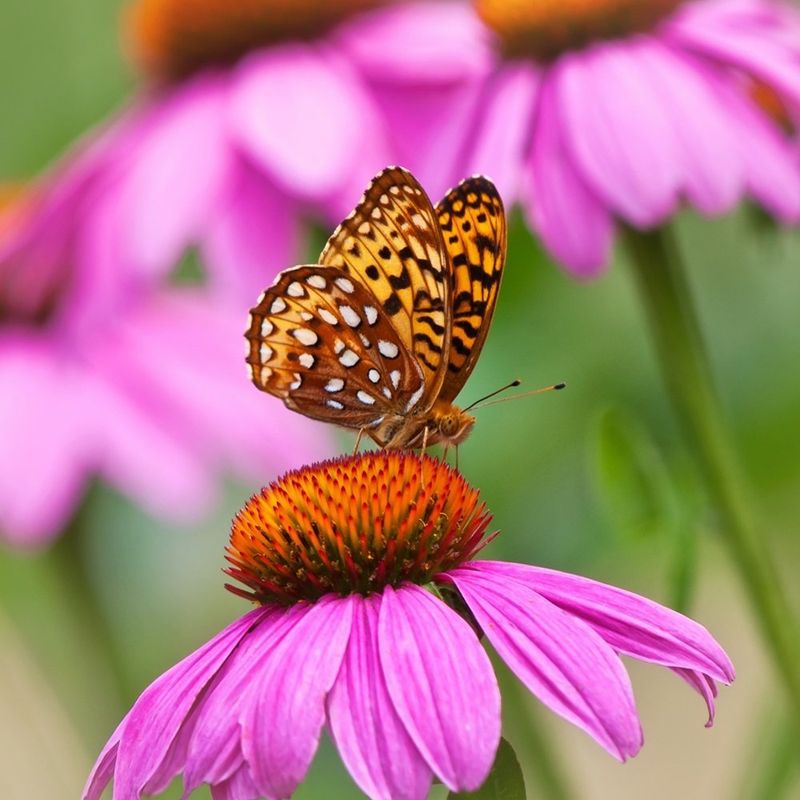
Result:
[172,38]
[544,29]
[354,525]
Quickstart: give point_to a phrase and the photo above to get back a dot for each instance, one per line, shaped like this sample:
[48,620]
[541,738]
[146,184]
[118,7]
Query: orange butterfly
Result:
[382,334]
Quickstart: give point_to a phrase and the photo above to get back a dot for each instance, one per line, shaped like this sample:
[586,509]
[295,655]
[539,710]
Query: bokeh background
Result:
[592,480]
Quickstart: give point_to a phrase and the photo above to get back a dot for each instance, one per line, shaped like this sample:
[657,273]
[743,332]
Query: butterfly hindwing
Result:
[392,245]
[473,225]
[319,340]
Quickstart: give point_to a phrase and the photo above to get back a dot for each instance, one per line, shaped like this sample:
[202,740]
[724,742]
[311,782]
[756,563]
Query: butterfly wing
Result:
[321,342]
[392,245]
[473,225]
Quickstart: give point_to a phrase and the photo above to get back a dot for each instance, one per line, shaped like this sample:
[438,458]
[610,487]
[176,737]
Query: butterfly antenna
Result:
[511,385]
[554,388]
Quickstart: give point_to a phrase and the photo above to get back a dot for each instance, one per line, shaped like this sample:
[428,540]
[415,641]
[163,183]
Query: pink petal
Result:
[558,657]
[769,52]
[367,731]
[507,101]
[572,221]
[103,768]
[179,165]
[712,168]
[300,114]
[441,684]
[214,753]
[254,236]
[619,131]
[629,623]
[156,718]
[704,686]
[44,460]
[239,786]
[285,709]
[418,43]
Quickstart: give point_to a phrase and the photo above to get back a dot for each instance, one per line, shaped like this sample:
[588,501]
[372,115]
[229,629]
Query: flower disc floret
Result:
[172,38]
[543,29]
[355,525]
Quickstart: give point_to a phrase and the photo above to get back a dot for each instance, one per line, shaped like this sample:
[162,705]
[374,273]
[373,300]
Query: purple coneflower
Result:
[100,369]
[247,119]
[370,614]
[597,112]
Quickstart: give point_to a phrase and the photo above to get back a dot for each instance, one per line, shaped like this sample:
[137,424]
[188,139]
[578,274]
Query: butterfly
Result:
[381,335]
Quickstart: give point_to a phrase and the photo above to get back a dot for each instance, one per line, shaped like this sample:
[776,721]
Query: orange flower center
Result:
[543,29]
[172,38]
[354,524]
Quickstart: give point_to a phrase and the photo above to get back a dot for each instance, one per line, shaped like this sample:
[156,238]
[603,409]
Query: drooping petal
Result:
[299,114]
[239,786]
[283,716]
[441,684]
[214,752]
[559,658]
[619,131]
[180,163]
[368,733]
[630,623]
[704,686]
[103,768]
[573,222]
[156,718]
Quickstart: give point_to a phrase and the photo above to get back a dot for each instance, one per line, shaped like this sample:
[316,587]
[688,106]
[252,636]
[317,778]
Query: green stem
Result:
[664,290]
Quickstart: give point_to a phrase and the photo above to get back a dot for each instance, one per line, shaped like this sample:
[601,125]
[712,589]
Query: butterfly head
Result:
[450,425]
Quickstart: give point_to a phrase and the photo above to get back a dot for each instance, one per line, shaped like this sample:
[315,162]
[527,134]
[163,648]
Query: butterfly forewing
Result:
[473,226]
[320,341]
[392,245]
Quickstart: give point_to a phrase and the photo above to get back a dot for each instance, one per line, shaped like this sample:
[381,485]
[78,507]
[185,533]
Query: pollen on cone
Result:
[355,524]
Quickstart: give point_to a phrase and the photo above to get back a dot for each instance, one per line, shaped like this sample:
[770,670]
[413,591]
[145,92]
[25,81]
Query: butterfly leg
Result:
[358,440]
[456,457]
[445,451]
[424,440]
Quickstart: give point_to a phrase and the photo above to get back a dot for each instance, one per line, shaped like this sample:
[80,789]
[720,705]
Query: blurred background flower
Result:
[126,273]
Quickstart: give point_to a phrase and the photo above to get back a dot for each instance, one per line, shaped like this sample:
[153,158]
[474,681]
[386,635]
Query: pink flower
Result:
[370,618]
[103,373]
[593,113]
[245,128]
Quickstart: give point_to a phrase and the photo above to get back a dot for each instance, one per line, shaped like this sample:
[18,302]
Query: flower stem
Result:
[663,287]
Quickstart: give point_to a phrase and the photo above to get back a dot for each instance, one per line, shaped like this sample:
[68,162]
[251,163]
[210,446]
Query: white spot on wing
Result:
[317,281]
[334,385]
[348,358]
[387,349]
[338,346]
[376,213]
[265,353]
[295,289]
[364,228]
[250,371]
[305,336]
[278,305]
[366,399]
[374,375]
[327,316]
[414,399]
[366,342]
[419,221]
[386,393]
[334,404]
[306,316]
[345,284]
[350,316]
[394,376]
[266,328]
[306,360]
[298,381]
[371,313]
[266,374]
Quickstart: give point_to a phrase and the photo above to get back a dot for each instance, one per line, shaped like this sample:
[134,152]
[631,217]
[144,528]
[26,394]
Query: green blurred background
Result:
[592,480]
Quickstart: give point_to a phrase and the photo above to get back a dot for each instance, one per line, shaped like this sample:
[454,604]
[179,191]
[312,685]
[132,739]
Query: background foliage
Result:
[591,480]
